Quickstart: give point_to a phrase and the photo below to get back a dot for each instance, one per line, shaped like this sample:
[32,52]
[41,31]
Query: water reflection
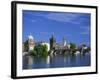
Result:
[69,60]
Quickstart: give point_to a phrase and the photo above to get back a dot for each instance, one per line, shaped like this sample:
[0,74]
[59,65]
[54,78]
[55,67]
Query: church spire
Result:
[64,41]
[30,36]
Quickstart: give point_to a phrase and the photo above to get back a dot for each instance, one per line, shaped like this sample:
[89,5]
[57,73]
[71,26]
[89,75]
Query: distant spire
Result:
[64,41]
[30,33]
[53,35]
[30,36]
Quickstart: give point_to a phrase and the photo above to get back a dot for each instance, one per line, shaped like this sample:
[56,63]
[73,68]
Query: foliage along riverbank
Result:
[42,50]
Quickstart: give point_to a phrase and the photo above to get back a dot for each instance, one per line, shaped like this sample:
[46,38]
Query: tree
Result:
[45,50]
[26,45]
[40,50]
[73,47]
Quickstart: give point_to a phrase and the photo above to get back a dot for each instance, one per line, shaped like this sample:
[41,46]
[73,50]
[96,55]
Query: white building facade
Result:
[31,42]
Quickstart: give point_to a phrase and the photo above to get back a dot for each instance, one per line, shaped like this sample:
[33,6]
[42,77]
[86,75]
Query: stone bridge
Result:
[60,51]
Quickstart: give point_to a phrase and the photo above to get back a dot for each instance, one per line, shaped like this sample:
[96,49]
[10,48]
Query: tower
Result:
[52,42]
[31,43]
[64,42]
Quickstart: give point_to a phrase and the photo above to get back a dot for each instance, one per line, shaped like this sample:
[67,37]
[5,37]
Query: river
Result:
[31,62]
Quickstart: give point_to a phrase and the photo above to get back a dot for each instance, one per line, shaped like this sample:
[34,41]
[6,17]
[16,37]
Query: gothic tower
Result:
[52,42]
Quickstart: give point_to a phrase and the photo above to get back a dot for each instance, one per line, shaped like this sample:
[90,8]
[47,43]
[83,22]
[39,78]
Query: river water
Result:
[30,62]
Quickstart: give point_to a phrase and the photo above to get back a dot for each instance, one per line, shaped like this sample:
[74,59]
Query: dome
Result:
[30,37]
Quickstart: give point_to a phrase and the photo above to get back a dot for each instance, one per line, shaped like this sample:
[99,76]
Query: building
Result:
[64,42]
[52,42]
[31,43]
[68,45]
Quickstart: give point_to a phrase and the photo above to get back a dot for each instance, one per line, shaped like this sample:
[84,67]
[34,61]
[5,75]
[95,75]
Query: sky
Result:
[74,27]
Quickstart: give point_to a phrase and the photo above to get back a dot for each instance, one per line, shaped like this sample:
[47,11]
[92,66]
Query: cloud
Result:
[74,18]
[85,30]
[69,17]
[33,20]
[63,17]
[30,19]
[44,33]
[85,33]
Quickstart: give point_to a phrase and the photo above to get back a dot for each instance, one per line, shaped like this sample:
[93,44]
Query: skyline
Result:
[75,27]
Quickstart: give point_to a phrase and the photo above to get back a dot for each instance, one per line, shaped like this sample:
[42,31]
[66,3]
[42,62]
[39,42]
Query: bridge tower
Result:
[52,42]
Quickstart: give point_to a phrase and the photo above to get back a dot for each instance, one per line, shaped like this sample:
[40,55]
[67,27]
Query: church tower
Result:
[31,42]
[64,41]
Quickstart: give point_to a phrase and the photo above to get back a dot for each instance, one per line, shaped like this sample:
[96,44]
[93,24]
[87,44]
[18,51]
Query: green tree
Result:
[40,50]
[73,47]
[26,45]
[44,50]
